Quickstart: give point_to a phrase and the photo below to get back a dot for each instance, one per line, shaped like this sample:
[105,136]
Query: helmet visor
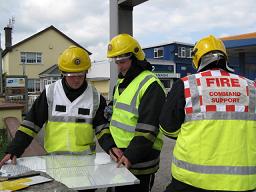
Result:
[73,74]
[121,58]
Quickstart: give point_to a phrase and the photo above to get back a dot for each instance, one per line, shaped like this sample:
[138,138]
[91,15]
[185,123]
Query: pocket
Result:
[84,134]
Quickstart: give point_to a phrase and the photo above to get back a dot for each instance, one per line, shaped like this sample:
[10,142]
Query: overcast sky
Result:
[155,21]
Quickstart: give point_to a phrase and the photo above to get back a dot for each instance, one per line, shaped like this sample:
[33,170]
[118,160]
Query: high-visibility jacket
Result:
[125,116]
[216,148]
[69,127]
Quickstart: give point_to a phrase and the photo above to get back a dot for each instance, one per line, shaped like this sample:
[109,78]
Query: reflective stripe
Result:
[220,115]
[132,107]
[103,132]
[206,169]
[252,98]
[145,171]
[96,100]
[126,107]
[86,152]
[142,83]
[122,126]
[27,131]
[100,127]
[194,93]
[49,96]
[146,164]
[31,125]
[169,134]
[70,119]
[148,136]
[147,127]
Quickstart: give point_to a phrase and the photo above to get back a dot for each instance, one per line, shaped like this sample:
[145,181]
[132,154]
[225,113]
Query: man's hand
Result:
[6,158]
[123,160]
[115,153]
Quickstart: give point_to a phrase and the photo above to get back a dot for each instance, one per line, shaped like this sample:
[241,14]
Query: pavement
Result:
[162,178]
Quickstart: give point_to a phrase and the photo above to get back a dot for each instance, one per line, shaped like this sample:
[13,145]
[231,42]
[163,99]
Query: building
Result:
[242,53]
[170,61]
[98,75]
[34,55]
[174,60]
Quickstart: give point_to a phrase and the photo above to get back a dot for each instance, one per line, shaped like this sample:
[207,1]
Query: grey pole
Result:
[1,69]
[23,68]
[121,12]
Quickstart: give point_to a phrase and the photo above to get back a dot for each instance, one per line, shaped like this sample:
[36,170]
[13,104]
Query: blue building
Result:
[173,60]
[170,61]
[242,54]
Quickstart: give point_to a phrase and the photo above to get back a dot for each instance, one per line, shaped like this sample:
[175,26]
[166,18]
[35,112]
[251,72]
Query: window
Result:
[190,52]
[30,57]
[158,52]
[48,81]
[182,52]
[33,85]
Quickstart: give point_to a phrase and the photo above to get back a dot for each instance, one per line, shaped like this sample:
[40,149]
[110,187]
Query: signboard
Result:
[167,75]
[163,68]
[15,82]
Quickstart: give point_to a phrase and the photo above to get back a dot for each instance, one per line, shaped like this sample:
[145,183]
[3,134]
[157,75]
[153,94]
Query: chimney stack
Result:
[8,37]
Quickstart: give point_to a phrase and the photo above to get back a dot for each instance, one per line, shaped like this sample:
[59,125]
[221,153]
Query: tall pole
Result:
[1,69]
[121,21]
[23,68]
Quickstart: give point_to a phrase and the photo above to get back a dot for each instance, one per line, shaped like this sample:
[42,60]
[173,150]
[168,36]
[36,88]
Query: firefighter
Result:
[133,138]
[212,114]
[71,109]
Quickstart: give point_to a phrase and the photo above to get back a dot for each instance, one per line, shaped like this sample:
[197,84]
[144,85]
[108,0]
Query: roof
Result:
[39,33]
[100,70]
[164,44]
[160,62]
[239,37]
[52,71]
[242,43]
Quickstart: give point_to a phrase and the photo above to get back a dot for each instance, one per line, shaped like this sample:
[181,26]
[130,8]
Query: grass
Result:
[3,142]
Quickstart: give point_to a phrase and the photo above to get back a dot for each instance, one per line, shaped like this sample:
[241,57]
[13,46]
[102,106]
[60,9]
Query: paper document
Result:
[102,158]
[22,183]
[9,170]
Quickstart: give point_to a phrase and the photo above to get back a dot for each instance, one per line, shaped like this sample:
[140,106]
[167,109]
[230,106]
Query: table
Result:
[81,171]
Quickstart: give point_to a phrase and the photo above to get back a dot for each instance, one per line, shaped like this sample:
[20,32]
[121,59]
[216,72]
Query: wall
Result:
[102,87]
[9,112]
[183,65]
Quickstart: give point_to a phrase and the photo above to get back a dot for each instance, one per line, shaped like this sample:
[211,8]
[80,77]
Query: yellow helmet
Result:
[74,60]
[206,45]
[123,44]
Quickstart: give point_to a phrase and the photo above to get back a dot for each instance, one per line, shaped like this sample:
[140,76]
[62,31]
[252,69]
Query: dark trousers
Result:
[146,183]
[177,186]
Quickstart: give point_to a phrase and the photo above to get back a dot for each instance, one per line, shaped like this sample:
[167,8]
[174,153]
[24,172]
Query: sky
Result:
[154,21]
